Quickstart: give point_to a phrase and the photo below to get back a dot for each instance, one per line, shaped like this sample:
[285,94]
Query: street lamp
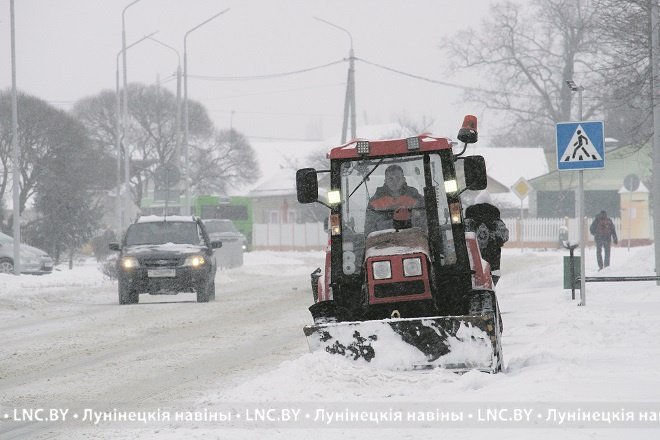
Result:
[185,106]
[177,123]
[16,172]
[349,101]
[127,197]
[118,218]
[583,300]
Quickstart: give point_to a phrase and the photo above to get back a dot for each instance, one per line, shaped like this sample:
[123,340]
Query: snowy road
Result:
[76,348]
[67,345]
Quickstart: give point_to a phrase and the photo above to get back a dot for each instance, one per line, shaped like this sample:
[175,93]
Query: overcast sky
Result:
[67,49]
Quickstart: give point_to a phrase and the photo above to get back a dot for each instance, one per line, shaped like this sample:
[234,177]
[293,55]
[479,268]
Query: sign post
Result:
[580,146]
[631,183]
[521,188]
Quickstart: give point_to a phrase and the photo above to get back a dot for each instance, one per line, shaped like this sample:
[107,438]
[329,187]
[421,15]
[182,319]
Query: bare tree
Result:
[626,64]
[42,130]
[226,161]
[152,131]
[526,55]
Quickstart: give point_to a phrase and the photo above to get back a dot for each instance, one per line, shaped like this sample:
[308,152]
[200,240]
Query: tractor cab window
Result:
[379,192]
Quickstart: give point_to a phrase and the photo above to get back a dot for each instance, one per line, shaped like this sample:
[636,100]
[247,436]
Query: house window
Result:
[274,217]
[292,216]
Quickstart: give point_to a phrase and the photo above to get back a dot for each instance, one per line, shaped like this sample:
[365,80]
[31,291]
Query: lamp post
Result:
[177,122]
[16,176]
[127,196]
[118,217]
[349,101]
[583,297]
[185,107]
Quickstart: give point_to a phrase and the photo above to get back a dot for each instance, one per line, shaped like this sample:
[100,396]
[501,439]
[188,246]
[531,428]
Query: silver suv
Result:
[234,244]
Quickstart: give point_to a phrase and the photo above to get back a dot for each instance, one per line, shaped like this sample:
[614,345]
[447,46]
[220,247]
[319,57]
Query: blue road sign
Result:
[580,146]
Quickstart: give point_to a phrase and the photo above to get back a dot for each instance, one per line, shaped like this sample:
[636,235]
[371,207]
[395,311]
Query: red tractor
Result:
[404,285]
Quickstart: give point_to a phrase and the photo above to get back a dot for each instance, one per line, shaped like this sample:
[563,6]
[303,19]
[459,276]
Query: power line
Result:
[275,91]
[447,84]
[269,76]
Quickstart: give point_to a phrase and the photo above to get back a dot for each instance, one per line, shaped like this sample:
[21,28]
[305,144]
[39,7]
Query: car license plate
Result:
[161,273]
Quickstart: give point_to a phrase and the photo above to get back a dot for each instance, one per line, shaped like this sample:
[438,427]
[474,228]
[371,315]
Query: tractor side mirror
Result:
[307,185]
[475,173]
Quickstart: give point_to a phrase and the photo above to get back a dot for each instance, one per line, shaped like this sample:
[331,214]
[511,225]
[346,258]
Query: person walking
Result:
[483,218]
[602,228]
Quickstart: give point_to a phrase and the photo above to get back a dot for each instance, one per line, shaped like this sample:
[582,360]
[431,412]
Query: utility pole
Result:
[15,150]
[349,100]
[655,93]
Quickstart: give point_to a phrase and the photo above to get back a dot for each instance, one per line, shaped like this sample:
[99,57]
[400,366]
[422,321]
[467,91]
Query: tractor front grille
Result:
[405,288]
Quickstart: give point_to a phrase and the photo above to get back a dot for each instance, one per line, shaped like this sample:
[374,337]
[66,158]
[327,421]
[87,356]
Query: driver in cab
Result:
[395,193]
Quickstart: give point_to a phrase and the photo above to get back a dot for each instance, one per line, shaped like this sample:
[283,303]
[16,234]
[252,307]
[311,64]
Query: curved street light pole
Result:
[118,225]
[185,108]
[127,191]
[349,101]
[177,122]
[16,172]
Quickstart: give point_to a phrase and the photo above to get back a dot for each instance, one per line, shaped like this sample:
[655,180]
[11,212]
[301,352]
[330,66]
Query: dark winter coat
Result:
[380,211]
[492,233]
[603,230]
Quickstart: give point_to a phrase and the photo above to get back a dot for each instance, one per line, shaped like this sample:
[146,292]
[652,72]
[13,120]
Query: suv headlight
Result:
[382,270]
[412,267]
[194,261]
[129,262]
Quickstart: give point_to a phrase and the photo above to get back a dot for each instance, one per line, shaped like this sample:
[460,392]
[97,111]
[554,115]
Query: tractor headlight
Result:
[451,186]
[129,262]
[382,270]
[412,267]
[334,197]
[194,261]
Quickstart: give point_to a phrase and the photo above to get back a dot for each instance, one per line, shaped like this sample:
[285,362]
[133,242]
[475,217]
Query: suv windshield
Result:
[164,232]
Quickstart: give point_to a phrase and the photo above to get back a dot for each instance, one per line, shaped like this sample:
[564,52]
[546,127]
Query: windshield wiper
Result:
[366,177]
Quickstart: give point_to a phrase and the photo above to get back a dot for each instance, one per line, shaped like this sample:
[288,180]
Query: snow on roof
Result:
[507,165]
[276,158]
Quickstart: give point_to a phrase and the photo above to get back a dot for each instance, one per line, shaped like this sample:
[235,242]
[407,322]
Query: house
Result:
[554,193]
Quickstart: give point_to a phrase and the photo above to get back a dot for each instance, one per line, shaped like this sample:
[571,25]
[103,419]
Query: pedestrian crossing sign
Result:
[580,145]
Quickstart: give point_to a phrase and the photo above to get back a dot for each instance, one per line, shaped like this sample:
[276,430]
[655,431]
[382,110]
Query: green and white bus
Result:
[238,209]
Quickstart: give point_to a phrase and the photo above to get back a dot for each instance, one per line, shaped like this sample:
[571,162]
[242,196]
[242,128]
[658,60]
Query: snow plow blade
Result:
[458,343]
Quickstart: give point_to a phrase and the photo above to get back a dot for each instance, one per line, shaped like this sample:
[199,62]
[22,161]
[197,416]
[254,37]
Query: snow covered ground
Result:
[243,359]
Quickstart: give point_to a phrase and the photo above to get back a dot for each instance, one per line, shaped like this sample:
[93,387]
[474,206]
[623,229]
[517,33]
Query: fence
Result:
[544,232]
[536,233]
[289,236]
